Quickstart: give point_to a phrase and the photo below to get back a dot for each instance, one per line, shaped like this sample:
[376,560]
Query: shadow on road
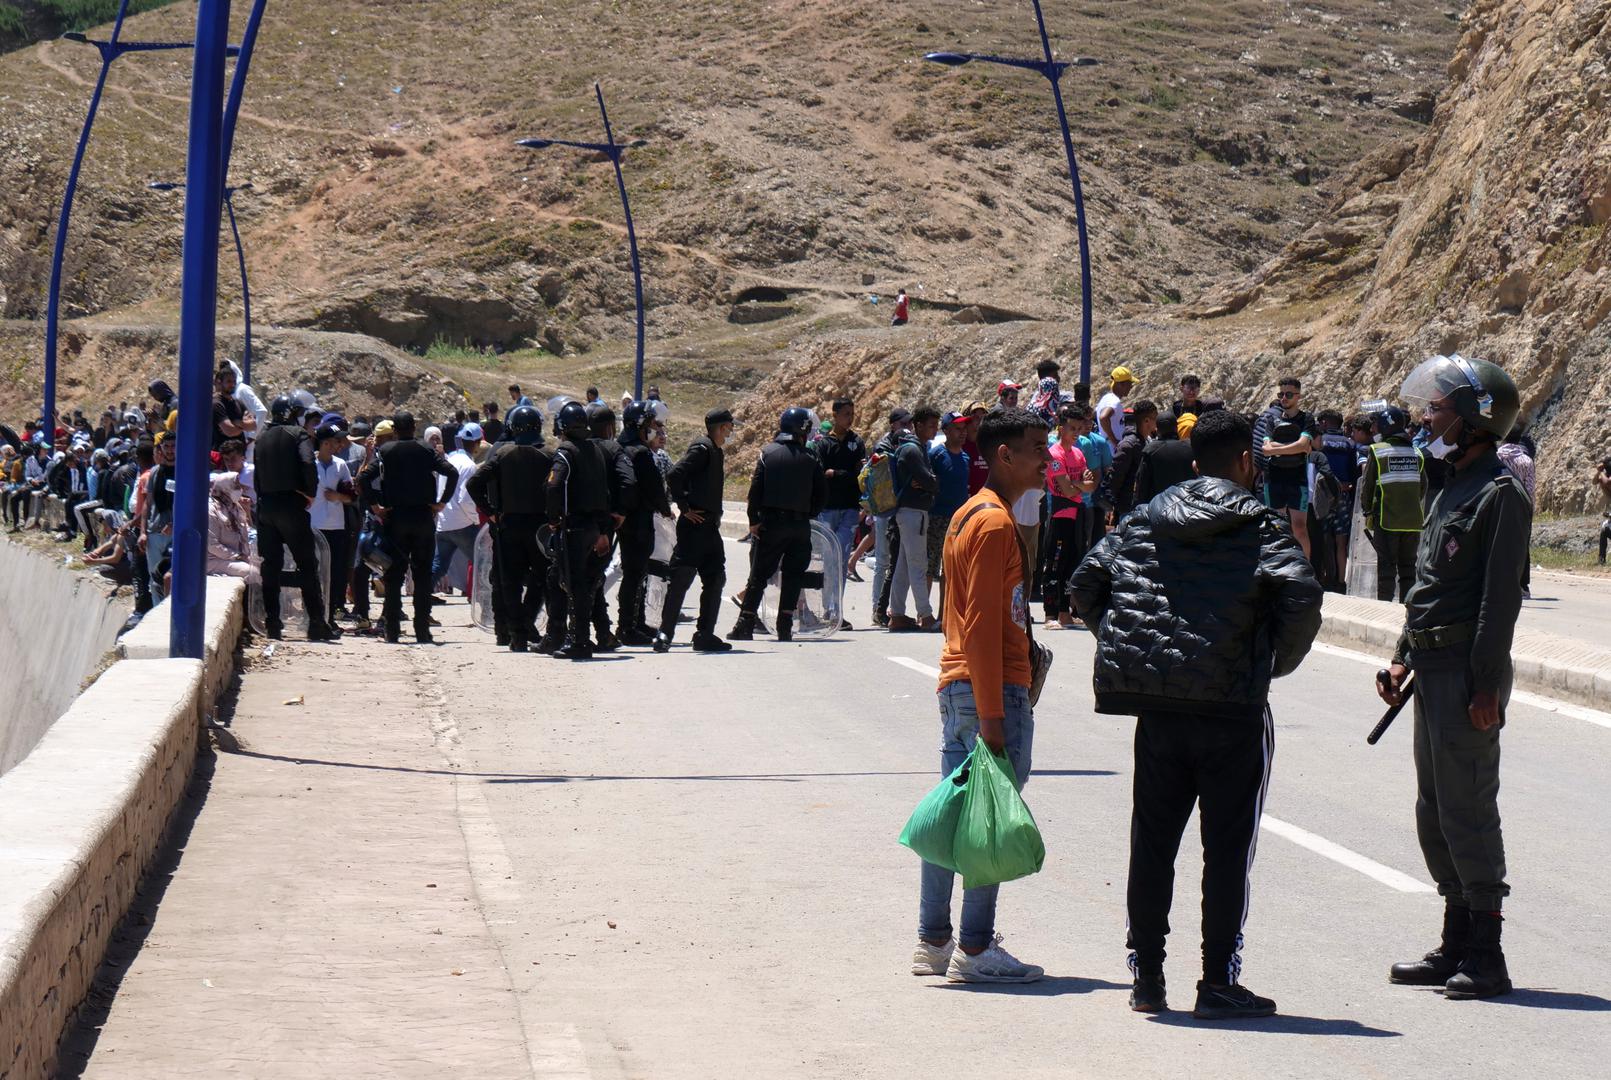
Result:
[1050,986]
[566,778]
[1279,1025]
[1554,999]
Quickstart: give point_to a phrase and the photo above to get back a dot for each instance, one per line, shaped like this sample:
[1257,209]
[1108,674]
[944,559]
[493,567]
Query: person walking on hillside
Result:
[902,306]
[1460,619]
[984,684]
[1392,488]
[1204,563]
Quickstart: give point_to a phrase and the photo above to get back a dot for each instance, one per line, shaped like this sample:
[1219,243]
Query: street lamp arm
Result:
[597,148]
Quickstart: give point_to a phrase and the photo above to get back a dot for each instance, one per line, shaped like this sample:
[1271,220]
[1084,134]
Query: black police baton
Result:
[1391,714]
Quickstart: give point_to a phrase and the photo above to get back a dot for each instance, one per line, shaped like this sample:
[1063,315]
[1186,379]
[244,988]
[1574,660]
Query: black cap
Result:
[329,431]
[360,429]
[900,416]
[718,416]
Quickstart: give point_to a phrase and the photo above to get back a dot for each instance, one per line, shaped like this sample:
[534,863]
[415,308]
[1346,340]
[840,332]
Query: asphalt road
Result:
[690,865]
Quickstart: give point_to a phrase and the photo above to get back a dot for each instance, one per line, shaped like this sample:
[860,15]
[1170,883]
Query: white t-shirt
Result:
[1113,425]
[460,511]
[326,513]
[1026,511]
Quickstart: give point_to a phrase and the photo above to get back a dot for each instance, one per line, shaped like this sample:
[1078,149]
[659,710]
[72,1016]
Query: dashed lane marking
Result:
[1372,869]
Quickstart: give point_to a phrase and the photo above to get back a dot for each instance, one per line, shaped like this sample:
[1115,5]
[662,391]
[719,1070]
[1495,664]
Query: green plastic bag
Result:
[931,830]
[996,839]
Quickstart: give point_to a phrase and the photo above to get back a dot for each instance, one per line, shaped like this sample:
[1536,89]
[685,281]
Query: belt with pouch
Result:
[1438,637]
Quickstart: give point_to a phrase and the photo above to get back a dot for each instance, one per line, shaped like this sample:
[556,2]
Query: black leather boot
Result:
[744,628]
[1483,973]
[1437,966]
[785,627]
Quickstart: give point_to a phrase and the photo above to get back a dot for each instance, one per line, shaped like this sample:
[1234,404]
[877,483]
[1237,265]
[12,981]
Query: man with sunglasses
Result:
[1287,444]
[1460,617]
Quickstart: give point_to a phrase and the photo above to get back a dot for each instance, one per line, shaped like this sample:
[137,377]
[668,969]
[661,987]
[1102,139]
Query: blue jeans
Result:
[450,541]
[842,523]
[883,565]
[959,722]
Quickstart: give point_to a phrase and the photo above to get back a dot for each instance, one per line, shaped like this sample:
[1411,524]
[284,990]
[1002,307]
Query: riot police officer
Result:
[1391,498]
[402,483]
[640,495]
[1459,620]
[579,511]
[786,492]
[287,481]
[695,484]
[601,423]
[511,488]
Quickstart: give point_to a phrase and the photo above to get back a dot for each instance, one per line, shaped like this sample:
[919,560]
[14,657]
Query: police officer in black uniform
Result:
[287,481]
[579,512]
[1460,617]
[695,485]
[403,479]
[511,488]
[640,495]
[601,422]
[786,492]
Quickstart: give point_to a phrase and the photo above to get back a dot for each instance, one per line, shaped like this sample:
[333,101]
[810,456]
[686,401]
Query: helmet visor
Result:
[1438,378]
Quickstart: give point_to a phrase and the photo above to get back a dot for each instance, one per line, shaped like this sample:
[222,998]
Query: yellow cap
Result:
[385,427]
[1122,374]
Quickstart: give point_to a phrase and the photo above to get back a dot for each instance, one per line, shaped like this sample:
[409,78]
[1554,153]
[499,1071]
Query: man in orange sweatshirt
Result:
[984,681]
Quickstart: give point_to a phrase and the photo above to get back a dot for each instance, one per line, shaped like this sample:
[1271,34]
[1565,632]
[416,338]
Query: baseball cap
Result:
[360,429]
[470,432]
[385,427]
[718,416]
[1122,374]
[976,406]
[1007,384]
[900,416]
[953,417]
[329,431]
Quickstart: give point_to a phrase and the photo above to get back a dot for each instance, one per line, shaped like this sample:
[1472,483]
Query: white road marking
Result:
[1520,697]
[1339,854]
[1302,837]
[921,669]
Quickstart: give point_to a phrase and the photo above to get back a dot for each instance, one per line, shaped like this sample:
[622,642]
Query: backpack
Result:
[877,484]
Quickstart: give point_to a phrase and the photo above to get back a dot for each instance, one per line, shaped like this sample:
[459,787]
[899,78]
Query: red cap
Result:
[1006,384]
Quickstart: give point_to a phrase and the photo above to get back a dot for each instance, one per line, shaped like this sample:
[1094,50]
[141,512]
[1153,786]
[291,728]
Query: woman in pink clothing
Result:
[1066,479]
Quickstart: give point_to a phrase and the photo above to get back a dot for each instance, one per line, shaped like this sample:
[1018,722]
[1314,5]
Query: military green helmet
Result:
[1482,394]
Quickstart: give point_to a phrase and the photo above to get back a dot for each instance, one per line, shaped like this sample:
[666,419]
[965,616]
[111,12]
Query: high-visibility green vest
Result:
[1398,487]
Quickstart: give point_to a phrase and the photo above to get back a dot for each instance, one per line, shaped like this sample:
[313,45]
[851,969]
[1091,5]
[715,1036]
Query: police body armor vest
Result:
[407,480]
[1398,487]
[787,472]
[587,484]
[277,467]
[522,484]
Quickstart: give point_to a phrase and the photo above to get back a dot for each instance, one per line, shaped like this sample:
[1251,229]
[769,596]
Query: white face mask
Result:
[1441,448]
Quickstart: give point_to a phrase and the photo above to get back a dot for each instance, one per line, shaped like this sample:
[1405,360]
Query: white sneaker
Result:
[994,965]
[932,959]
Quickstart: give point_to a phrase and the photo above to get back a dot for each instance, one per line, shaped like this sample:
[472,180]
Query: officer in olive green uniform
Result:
[1392,494]
[1459,620]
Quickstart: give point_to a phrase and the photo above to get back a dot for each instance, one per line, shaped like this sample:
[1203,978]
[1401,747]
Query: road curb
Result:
[1559,667]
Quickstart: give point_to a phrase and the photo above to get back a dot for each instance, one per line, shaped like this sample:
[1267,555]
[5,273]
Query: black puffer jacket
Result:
[1199,598]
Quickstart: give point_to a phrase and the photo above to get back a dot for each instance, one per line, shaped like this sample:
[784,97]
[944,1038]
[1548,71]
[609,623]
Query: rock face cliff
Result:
[1484,235]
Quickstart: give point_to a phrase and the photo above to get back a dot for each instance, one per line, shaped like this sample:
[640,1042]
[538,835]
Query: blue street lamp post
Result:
[240,258]
[613,150]
[110,50]
[1053,71]
[198,313]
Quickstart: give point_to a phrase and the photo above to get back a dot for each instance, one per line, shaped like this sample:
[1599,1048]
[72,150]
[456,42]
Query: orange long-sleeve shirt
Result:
[986,610]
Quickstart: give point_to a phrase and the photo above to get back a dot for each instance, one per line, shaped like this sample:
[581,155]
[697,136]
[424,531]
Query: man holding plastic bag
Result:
[987,727]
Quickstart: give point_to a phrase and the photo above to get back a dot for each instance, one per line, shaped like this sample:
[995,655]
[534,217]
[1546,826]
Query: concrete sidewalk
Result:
[319,918]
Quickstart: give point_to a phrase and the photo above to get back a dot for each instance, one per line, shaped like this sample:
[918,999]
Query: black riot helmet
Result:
[572,419]
[600,419]
[795,421]
[632,418]
[284,409]
[525,424]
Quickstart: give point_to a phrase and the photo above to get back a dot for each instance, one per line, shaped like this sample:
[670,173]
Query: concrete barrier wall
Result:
[81,818]
[56,627]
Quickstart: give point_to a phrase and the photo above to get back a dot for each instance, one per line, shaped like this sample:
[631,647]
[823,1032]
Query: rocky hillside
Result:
[1484,234]
[800,155]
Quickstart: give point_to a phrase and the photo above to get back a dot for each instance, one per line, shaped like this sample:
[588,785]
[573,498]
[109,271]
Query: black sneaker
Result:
[662,642]
[1147,993]
[1230,1003]
[710,643]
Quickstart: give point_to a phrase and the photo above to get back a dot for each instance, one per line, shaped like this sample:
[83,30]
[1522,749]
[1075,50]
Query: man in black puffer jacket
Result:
[1198,599]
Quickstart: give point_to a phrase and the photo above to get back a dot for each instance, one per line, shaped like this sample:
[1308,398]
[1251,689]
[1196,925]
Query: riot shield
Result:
[1361,557]
[821,608]
[292,614]
[481,588]
[659,579]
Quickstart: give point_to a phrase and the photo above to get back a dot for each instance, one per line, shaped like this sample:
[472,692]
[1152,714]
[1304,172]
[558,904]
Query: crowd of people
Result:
[1193,541]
